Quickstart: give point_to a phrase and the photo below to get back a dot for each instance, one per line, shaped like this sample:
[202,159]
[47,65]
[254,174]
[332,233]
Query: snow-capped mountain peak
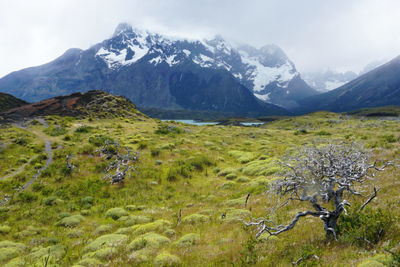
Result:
[121,28]
[262,70]
[267,65]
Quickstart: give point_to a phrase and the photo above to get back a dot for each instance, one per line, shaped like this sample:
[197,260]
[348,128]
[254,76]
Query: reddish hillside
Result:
[97,104]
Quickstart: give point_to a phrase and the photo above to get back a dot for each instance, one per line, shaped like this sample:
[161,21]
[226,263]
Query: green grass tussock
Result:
[184,202]
[149,241]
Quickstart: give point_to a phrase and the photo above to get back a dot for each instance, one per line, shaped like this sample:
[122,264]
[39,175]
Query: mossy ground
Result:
[77,217]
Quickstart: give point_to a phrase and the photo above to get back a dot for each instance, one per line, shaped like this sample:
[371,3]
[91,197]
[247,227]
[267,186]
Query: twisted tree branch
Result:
[372,196]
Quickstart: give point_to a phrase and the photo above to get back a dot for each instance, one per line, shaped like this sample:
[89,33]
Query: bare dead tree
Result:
[121,166]
[68,164]
[321,175]
[109,149]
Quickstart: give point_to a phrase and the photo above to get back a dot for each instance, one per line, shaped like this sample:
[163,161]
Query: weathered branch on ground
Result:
[109,149]
[68,164]
[295,263]
[121,165]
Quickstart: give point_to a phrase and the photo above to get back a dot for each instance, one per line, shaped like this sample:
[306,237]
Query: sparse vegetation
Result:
[184,203]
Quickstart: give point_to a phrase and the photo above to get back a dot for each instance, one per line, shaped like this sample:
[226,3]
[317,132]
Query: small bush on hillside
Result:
[27,197]
[155,151]
[142,145]
[200,161]
[390,138]
[116,213]
[323,133]
[100,140]
[66,170]
[168,129]
[110,240]
[22,141]
[300,132]
[55,131]
[181,169]
[83,129]
[149,240]
[365,228]
[166,259]
[71,221]
[195,218]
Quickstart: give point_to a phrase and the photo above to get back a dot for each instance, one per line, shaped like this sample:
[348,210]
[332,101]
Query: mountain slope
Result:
[97,104]
[8,101]
[143,66]
[379,87]
[273,78]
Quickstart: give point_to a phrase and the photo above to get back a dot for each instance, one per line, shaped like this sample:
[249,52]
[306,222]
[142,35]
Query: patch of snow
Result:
[224,47]
[79,60]
[206,58]
[262,76]
[112,59]
[171,60]
[209,47]
[224,65]
[115,58]
[187,52]
[283,85]
[156,60]
[138,44]
[263,97]
[204,61]
[139,53]
[238,76]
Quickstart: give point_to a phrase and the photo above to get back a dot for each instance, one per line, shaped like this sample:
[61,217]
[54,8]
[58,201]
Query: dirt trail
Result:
[49,160]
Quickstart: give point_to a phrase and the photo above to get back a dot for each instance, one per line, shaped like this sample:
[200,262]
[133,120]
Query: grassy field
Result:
[204,173]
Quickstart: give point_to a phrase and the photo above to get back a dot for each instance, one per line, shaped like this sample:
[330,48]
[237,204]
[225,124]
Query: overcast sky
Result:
[316,34]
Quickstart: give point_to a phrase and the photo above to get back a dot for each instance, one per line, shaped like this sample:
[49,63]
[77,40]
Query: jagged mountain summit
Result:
[379,87]
[156,71]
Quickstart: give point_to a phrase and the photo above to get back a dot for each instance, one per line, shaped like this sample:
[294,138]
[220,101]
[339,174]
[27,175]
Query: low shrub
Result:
[83,129]
[55,131]
[99,140]
[111,240]
[27,197]
[155,151]
[149,240]
[366,227]
[116,213]
[200,161]
[323,133]
[166,259]
[195,218]
[188,240]
[71,221]
[168,129]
